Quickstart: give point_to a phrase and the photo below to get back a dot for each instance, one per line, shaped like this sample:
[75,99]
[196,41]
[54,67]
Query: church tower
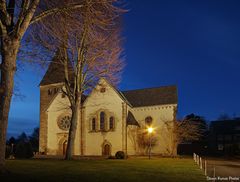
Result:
[49,87]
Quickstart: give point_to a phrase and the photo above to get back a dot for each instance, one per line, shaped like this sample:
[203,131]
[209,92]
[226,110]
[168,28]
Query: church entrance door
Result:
[64,147]
[107,150]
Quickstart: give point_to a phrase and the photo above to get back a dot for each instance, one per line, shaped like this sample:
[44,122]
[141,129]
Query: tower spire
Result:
[55,71]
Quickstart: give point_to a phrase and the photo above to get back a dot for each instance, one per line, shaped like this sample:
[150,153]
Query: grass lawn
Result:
[136,170]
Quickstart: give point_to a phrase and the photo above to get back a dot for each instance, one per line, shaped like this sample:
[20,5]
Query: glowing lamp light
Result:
[150,130]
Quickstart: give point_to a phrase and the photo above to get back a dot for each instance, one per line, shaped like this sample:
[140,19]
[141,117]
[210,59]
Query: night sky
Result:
[193,44]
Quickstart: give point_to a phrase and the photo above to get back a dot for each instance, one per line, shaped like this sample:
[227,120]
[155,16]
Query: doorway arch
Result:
[106,149]
[64,147]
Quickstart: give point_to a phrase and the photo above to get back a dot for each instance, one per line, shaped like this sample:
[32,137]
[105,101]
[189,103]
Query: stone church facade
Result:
[111,119]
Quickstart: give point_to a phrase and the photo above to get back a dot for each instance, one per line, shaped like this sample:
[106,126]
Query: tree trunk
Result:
[8,68]
[73,129]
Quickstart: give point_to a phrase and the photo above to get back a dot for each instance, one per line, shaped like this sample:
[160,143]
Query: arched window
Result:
[111,123]
[102,120]
[148,121]
[93,124]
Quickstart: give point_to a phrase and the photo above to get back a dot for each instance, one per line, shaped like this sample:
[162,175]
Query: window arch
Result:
[111,123]
[148,121]
[93,124]
[102,120]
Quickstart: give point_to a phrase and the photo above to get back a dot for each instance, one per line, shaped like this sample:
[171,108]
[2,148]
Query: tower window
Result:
[49,91]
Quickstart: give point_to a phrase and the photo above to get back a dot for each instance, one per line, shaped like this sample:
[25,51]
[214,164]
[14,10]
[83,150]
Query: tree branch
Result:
[53,11]
[25,19]
[10,10]
[4,16]
[2,29]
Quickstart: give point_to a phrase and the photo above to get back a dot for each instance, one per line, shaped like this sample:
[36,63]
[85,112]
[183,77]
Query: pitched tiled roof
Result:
[55,71]
[131,119]
[152,96]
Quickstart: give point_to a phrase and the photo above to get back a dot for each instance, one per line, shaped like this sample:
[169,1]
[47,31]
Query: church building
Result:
[111,120]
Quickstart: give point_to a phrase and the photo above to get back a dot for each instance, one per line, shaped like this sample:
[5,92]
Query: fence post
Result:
[200,160]
[214,173]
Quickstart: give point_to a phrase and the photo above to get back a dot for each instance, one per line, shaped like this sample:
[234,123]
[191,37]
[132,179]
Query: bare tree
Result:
[181,131]
[144,139]
[15,19]
[95,52]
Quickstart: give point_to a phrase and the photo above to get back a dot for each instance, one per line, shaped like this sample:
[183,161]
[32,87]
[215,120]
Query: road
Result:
[227,169]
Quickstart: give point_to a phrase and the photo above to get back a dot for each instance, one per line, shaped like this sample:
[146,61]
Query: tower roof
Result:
[55,71]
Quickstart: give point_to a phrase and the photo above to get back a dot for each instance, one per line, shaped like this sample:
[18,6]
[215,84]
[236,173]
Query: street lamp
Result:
[150,130]
[11,153]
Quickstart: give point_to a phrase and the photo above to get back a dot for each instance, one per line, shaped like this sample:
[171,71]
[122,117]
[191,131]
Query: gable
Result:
[58,103]
[105,92]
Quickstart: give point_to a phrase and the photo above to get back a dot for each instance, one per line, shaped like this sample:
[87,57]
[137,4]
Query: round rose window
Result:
[64,123]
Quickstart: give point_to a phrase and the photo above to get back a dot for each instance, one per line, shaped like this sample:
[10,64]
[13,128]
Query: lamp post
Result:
[11,153]
[150,130]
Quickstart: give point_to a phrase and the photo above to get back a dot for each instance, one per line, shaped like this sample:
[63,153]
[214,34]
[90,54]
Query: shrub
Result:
[120,155]
[24,150]
[8,151]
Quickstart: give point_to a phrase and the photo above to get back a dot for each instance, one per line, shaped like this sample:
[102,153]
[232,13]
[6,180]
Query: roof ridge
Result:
[148,88]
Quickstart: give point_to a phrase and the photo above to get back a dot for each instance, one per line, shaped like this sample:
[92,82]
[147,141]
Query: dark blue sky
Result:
[194,44]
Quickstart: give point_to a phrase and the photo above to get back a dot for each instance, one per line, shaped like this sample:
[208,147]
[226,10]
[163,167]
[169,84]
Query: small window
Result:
[63,95]
[220,147]
[49,91]
[93,124]
[111,123]
[102,90]
[148,121]
[102,121]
